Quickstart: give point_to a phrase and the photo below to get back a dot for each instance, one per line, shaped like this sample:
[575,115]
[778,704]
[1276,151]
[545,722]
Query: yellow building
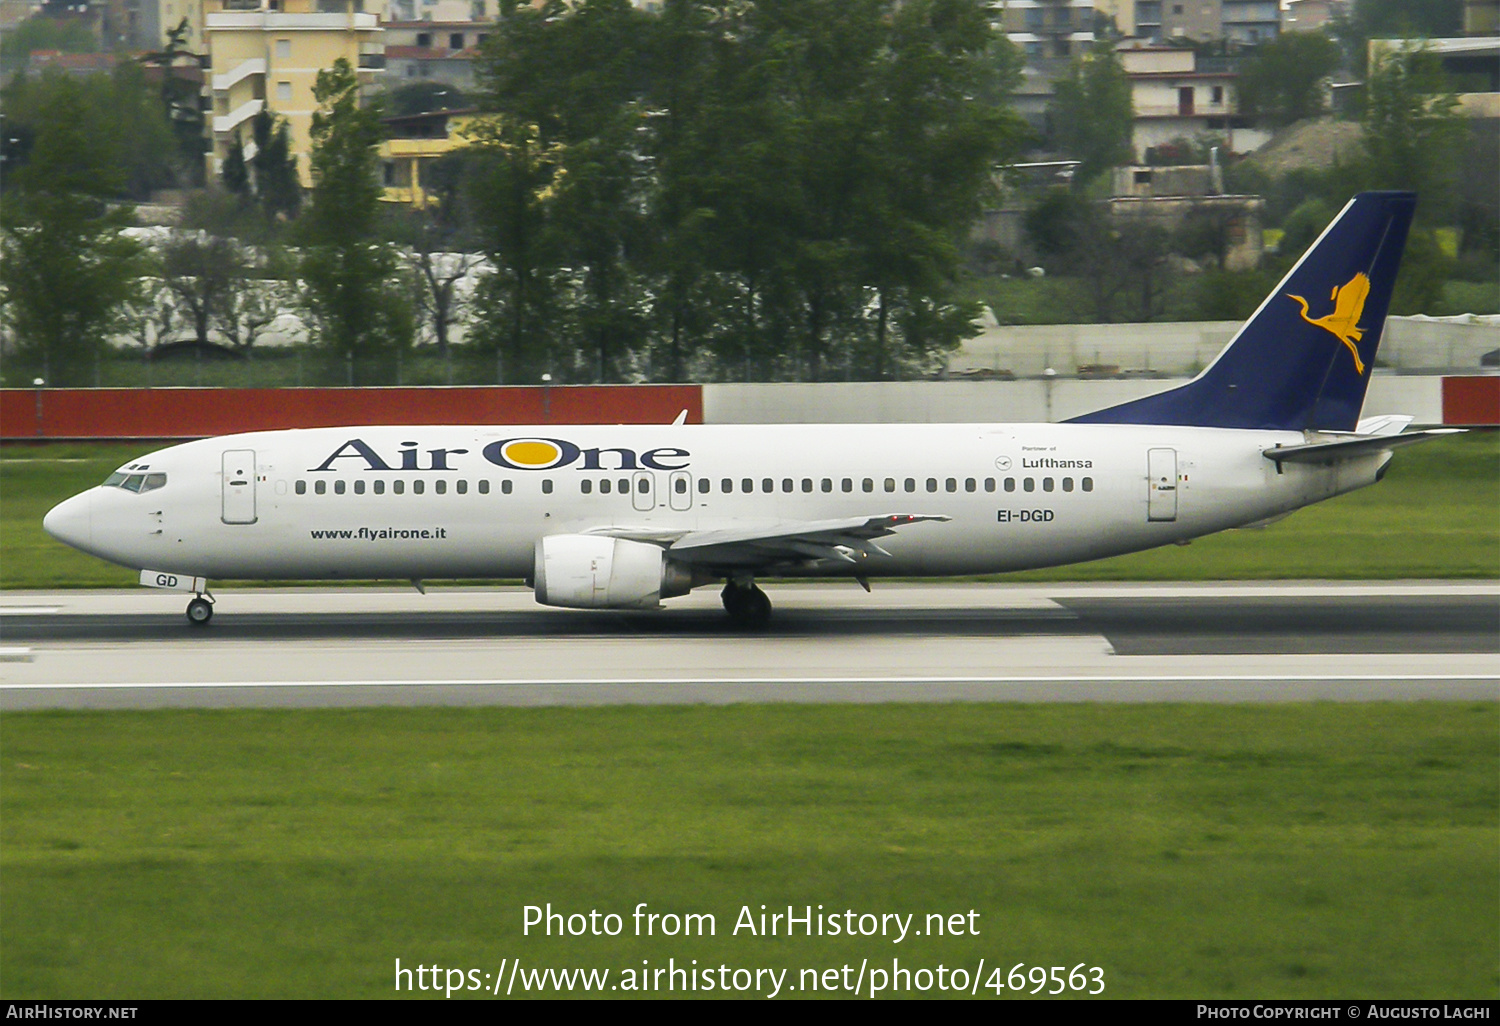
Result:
[267,53]
[416,141]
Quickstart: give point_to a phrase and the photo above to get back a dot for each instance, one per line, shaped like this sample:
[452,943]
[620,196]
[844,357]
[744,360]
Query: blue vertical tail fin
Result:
[1302,361]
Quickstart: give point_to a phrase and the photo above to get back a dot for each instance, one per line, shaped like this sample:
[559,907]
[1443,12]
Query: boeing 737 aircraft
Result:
[623,517]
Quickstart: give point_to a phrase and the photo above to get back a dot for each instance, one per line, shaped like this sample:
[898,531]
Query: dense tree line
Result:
[768,190]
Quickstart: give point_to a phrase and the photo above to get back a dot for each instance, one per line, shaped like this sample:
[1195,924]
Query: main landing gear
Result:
[200,611]
[746,604]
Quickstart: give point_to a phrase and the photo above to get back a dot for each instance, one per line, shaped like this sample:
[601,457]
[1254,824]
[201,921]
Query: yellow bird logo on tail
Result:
[1348,306]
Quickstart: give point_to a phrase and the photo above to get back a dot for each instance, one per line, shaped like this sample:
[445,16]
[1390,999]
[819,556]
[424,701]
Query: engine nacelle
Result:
[589,571]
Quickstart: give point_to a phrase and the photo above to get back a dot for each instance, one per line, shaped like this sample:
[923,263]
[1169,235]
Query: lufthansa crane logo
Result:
[1348,307]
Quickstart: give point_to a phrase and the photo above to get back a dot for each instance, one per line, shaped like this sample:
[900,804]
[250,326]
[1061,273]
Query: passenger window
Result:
[643,485]
[680,486]
[951,484]
[547,486]
[1047,484]
[359,487]
[727,485]
[300,488]
[747,485]
[1088,484]
[890,484]
[969,484]
[786,484]
[505,487]
[484,488]
[417,486]
[320,487]
[807,484]
[462,487]
[868,485]
[441,486]
[398,487]
[989,484]
[932,484]
[767,485]
[153,482]
[340,485]
[704,484]
[604,486]
[1029,484]
[379,487]
[586,486]
[1067,484]
[828,484]
[848,485]
[911,484]
[623,486]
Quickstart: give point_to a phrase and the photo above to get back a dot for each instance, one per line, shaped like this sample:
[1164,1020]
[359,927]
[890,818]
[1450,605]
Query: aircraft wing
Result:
[1345,448]
[845,540]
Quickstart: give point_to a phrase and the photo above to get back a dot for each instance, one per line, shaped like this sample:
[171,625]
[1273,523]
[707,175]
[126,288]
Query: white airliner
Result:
[623,517]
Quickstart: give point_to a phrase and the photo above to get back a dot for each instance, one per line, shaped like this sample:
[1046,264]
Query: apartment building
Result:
[1047,29]
[1246,22]
[267,53]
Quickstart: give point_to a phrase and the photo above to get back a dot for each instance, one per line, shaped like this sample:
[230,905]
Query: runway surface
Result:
[827,642]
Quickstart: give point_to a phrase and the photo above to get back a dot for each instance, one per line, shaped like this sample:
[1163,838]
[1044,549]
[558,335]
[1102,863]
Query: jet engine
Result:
[588,571]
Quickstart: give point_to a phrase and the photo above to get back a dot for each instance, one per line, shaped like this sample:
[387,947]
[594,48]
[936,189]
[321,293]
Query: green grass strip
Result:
[1297,850]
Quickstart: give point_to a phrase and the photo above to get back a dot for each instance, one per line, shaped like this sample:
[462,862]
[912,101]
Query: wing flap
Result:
[846,540]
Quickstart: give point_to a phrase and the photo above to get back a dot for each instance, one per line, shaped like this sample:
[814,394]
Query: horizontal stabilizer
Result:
[1347,448]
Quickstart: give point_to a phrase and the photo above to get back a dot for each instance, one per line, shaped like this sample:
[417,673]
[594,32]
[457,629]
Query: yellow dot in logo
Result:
[532,453]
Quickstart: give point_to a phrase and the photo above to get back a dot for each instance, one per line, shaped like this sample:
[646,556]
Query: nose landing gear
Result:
[746,604]
[200,610]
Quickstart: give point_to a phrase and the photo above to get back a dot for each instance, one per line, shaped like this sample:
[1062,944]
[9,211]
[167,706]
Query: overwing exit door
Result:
[1161,473]
[239,486]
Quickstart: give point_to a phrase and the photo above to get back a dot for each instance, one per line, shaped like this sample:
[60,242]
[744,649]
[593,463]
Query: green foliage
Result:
[66,272]
[764,190]
[349,271]
[42,33]
[1281,82]
[120,114]
[1092,114]
[1412,131]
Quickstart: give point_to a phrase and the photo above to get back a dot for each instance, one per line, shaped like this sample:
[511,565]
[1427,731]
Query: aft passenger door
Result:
[1161,479]
[239,486]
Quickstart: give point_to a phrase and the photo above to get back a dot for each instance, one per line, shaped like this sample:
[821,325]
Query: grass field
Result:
[1435,515]
[1297,850]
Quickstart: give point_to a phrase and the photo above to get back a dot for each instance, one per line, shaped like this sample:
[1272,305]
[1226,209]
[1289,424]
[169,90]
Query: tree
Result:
[180,99]
[67,274]
[1282,80]
[1411,129]
[1092,114]
[347,267]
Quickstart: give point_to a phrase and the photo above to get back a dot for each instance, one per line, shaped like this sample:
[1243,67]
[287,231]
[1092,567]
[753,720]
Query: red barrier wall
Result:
[48,413]
[1471,401]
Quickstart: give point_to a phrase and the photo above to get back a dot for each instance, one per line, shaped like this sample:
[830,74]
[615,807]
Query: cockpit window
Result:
[136,482]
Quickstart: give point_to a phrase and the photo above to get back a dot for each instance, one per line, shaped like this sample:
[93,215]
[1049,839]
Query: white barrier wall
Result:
[960,402]
[1410,344]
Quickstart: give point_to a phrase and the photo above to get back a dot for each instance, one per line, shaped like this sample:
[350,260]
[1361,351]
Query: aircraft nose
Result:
[71,521]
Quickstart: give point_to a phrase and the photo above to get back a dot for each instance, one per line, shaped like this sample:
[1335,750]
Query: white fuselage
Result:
[312,505]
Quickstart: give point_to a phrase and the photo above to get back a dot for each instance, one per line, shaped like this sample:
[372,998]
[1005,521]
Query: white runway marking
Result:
[1176,678]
